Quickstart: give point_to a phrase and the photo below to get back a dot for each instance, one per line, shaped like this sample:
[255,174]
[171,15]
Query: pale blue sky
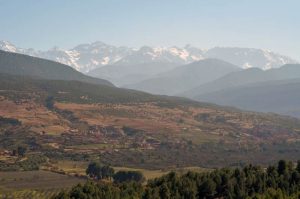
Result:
[41,24]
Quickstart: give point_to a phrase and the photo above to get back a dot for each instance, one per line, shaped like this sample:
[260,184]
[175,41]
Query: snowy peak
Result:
[173,55]
[97,54]
[86,57]
[68,57]
[6,46]
[274,59]
[249,57]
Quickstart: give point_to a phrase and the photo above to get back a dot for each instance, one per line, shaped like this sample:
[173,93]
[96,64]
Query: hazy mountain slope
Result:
[247,76]
[123,74]
[273,96]
[185,77]
[18,64]
[86,57]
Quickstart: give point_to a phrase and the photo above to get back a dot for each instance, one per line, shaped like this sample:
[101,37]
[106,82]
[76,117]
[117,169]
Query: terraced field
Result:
[34,184]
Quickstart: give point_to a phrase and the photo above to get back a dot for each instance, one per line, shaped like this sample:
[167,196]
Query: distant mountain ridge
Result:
[279,96]
[86,57]
[275,90]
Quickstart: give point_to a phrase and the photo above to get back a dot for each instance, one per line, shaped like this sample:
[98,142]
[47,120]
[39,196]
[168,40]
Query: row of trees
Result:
[251,182]
[97,171]
[127,176]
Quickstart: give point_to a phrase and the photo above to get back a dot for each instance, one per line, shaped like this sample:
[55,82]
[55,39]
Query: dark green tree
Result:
[298,166]
[126,176]
[164,191]
[21,150]
[49,102]
[208,188]
[282,167]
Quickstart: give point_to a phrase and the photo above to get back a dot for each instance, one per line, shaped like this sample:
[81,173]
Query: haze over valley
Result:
[204,75]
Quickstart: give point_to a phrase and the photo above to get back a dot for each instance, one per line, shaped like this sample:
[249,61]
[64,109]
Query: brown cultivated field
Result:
[32,114]
[200,124]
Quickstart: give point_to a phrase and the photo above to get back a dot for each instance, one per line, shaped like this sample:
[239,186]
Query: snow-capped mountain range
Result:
[86,57]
